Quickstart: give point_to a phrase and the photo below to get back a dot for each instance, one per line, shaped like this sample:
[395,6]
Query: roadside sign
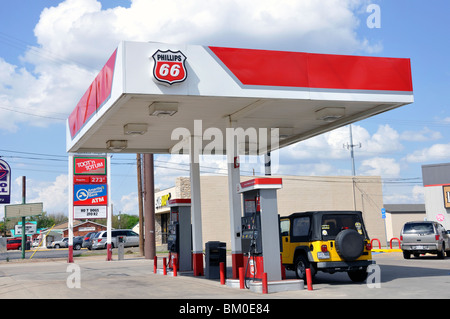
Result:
[5,182]
[383,213]
[88,212]
[24,210]
[30,229]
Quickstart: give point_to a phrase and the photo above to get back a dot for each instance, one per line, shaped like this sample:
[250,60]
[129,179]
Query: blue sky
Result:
[50,50]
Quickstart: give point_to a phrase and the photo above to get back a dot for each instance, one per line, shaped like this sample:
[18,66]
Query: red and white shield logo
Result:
[169,67]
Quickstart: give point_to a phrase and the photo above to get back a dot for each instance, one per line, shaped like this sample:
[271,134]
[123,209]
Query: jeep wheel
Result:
[300,265]
[358,275]
[349,244]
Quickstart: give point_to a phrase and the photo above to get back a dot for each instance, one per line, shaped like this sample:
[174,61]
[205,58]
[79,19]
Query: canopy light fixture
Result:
[135,128]
[162,109]
[116,145]
[285,132]
[330,114]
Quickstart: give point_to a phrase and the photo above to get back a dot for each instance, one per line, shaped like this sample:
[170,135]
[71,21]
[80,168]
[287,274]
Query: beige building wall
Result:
[299,193]
[397,215]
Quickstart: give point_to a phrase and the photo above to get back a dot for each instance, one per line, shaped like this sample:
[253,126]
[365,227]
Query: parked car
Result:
[16,243]
[77,242]
[35,243]
[131,239]
[328,241]
[63,243]
[422,237]
[87,240]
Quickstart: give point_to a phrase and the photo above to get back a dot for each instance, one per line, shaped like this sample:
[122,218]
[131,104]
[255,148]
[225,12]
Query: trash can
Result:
[215,253]
[121,246]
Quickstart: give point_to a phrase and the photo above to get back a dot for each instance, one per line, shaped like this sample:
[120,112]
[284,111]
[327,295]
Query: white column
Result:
[109,209]
[70,208]
[196,210]
[234,203]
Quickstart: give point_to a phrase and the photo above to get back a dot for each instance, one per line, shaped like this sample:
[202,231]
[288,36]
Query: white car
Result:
[131,239]
[63,243]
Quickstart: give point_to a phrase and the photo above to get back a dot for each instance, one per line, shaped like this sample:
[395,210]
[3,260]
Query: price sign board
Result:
[90,187]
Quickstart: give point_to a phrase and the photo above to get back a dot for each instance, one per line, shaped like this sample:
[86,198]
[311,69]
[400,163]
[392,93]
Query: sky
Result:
[51,50]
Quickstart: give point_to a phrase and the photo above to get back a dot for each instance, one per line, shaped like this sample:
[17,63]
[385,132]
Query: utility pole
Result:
[141,210]
[351,146]
[24,200]
[149,207]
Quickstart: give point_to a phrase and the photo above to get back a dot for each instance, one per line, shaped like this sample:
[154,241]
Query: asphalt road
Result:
[425,277]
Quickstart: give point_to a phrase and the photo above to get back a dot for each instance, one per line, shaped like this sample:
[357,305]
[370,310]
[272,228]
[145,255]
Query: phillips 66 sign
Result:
[5,183]
[169,67]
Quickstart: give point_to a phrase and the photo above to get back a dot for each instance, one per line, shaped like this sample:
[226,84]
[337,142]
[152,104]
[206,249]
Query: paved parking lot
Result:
[427,277]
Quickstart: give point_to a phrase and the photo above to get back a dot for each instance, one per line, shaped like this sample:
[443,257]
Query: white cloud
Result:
[330,145]
[76,37]
[403,195]
[52,194]
[421,136]
[385,140]
[128,204]
[378,166]
[436,152]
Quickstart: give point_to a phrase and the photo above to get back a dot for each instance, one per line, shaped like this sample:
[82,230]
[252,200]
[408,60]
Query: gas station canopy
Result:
[147,90]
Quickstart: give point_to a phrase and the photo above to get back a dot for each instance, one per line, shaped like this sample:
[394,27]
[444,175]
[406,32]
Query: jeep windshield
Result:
[332,224]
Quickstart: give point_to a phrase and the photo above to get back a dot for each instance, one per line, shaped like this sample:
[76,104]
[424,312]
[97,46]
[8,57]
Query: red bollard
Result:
[265,289]
[174,263]
[164,266]
[241,278]
[309,279]
[155,264]
[222,273]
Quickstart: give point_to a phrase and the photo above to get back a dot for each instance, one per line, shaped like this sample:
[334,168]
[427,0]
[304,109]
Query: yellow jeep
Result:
[328,241]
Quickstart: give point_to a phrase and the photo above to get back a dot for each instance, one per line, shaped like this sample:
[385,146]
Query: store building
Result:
[436,182]
[398,214]
[299,193]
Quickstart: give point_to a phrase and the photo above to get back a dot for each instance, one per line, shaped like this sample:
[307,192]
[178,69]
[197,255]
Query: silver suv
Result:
[423,237]
[131,238]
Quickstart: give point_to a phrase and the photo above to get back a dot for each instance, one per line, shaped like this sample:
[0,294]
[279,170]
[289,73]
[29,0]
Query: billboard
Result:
[5,182]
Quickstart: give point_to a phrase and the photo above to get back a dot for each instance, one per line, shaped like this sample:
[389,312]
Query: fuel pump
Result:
[260,231]
[179,239]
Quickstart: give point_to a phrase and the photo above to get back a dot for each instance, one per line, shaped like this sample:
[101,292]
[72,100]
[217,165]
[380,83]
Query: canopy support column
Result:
[235,203]
[196,209]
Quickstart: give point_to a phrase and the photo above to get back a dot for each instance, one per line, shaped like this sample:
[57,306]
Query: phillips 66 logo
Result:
[169,67]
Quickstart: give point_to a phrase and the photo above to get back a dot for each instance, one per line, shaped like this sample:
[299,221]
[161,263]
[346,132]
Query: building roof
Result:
[405,208]
[301,94]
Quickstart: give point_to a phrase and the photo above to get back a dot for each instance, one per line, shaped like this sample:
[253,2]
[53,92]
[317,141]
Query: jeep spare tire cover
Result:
[349,244]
